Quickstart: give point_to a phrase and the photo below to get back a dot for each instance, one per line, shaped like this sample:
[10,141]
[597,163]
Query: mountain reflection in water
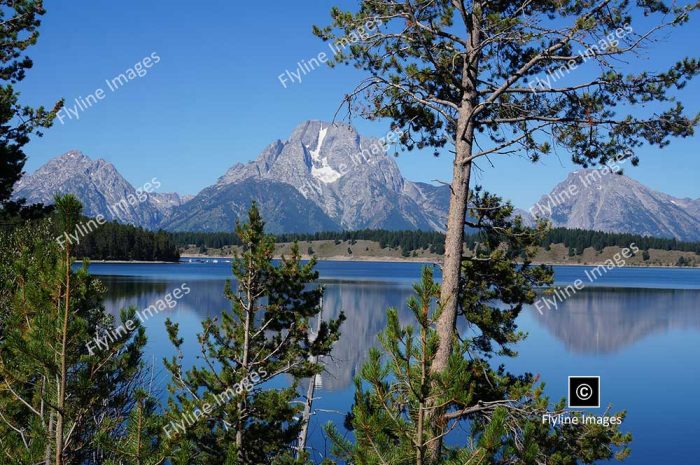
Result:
[606,320]
[595,320]
[638,334]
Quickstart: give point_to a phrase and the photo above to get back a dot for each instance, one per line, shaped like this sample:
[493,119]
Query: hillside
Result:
[366,250]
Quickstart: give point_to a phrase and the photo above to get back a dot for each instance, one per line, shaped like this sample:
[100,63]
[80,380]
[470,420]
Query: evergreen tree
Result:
[394,391]
[238,405]
[140,440]
[57,393]
[480,77]
[20,21]
[394,418]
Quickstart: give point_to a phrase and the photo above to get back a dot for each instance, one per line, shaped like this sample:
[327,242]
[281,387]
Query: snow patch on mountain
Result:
[323,173]
[316,154]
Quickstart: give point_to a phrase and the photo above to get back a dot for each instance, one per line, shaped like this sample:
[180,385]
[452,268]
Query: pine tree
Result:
[20,22]
[390,417]
[140,441]
[481,79]
[237,404]
[394,418]
[56,391]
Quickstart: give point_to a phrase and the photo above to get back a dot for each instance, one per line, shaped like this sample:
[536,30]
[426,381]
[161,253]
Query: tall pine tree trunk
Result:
[454,240]
[61,401]
[249,315]
[449,290]
[454,236]
[461,173]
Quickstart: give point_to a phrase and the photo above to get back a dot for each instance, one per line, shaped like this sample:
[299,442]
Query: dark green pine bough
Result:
[19,22]
[60,403]
[264,340]
[494,79]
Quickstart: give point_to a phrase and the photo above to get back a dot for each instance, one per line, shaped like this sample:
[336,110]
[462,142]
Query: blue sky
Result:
[214,98]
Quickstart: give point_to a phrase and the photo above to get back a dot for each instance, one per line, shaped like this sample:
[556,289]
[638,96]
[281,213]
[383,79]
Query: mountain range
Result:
[100,188]
[601,200]
[327,177]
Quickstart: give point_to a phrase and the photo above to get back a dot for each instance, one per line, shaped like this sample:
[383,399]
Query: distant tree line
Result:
[213,240]
[115,241]
[579,239]
[409,241]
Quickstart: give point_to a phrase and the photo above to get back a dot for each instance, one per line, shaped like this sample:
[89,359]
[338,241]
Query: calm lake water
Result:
[636,328]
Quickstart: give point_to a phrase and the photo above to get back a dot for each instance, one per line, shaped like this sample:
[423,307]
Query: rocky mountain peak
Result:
[327,176]
[71,160]
[350,178]
[598,199]
[99,186]
[72,155]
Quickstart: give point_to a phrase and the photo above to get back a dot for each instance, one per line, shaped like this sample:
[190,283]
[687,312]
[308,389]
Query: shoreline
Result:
[368,259]
[331,258]
[136,262]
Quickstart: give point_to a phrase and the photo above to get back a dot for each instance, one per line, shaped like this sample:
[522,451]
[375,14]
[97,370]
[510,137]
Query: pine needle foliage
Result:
[251,361]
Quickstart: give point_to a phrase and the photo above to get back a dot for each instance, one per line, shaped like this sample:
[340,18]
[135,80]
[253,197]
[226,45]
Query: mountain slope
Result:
[283,208]
[100,188]
[616,203]
[345,175]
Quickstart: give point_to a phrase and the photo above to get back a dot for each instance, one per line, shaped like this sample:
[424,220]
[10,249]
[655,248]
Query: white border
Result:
[568,390]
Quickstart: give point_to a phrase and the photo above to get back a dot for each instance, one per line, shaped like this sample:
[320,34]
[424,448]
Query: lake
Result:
[636,328]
